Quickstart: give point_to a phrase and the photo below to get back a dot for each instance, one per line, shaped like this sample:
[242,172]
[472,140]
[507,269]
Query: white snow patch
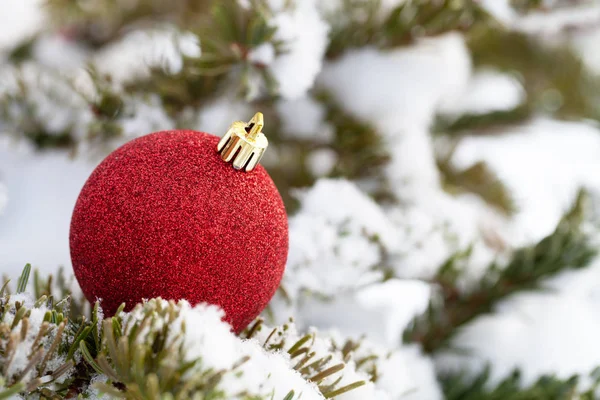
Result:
[145,116]
[561,19]
[537,333]
[408,374]
[340,228]
[489,91]
[20,20]
[59,52]
[403,87]
[263,54]
[321,162]
[304,118]
[3,197]
[305,35]
[586,44]
[544,164]
[210,339]
[48,99]
[217,116]
[381,311]
[35,225]
[138,51]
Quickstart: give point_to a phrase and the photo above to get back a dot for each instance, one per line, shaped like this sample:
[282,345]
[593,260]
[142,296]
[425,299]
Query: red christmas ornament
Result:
[165,216]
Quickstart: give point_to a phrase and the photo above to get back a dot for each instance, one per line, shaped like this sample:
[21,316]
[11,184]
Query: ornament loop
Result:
[244,143]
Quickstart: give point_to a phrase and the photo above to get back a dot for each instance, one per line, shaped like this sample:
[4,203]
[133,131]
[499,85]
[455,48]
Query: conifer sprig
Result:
[568,247]
[480,387]
[71,349]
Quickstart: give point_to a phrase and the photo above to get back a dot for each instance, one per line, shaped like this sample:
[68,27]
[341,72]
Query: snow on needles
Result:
[26,336]
[206,337]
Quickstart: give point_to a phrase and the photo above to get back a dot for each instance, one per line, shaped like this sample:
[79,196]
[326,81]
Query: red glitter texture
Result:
[164,216]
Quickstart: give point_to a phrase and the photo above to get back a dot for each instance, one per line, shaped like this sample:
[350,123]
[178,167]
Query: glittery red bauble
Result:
[164,216]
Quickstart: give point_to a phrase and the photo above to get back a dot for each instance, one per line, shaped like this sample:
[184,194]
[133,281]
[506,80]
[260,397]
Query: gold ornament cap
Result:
[244,143]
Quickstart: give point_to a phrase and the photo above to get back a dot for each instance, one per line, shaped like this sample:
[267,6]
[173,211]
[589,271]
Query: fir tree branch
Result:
[359,149]
[228,35]
[555,80]
[525,6]
[360,22]
[477,179]
[100,22]
[568,247]
[463,387]
[491,123]
[312,367]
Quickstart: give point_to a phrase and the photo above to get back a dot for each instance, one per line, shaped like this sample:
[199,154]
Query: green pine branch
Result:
[478,179]
[101,22]
[554,77]
[134,355]
[490,123]
[568,247]
[361,23]
[465,387]
[228,35]
[525,6]
[359,149]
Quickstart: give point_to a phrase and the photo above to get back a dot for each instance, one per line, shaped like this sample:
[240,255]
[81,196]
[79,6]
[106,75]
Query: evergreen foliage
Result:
[569,246]
[60,346]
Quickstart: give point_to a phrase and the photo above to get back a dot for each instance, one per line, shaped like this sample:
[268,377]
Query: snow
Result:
[549,162]
[552,19]
[305,32]
[217,116]
[138,51]
[397,77]
[94,394]
[24,20]
[585,44]
[209,333]
[3,198]
[43,188]
[145,116]
[263,54]
[500,9]
[321,345]
[403,118]
[346,236]
[72,55]
[381,311]
[408,374]
[321,162]
[488,91]
[541,334]
[303,118]
[551,23]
